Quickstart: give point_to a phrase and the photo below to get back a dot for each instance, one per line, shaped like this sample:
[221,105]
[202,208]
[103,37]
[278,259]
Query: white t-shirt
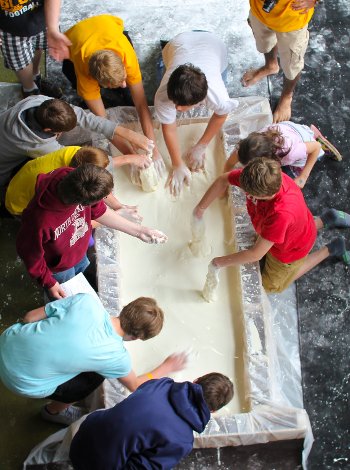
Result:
[209,53]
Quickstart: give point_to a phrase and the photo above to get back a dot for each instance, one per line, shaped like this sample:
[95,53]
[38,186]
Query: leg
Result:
[36,62]
[79,387]
[291,48]
[312,260]
[283,109]
[266,42]
[271,67]
[25,76]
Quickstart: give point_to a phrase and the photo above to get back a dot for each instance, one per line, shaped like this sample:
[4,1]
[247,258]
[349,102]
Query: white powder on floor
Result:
[212,332]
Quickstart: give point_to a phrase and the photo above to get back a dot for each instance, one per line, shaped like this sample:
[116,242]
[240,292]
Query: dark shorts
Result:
[77,388]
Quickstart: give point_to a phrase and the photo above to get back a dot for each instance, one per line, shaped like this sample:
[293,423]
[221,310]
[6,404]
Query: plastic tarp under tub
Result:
[272,377]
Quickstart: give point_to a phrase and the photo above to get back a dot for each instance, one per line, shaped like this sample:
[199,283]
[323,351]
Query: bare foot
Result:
[251,77]
[283,110]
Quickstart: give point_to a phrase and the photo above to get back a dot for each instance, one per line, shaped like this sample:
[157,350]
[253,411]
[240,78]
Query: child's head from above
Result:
[187,86]
[268,144]
[261,178]
[56,116]
[88,154]
[107,68]
[217,390]
[86,185]
[141,319]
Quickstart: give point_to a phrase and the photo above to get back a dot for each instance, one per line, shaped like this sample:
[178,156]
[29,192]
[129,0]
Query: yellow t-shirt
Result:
[22,186]
[281,18]
[94,34]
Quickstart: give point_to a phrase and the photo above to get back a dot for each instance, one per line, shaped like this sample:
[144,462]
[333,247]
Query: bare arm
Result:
[35,315]
[113,202]
[172,363]
[215,190]
[231,161]
[304,5]
[58,43]
[214,125]
[313,150]
[114,220]
[139,98]
[253,254]
[172,143]
[97,107]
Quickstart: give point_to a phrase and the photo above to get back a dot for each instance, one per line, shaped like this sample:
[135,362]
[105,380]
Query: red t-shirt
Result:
[284,220]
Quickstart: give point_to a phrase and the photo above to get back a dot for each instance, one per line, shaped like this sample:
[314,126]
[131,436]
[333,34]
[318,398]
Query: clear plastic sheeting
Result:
[271,355]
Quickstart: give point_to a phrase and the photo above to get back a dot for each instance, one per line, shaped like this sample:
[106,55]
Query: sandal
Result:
[329,149]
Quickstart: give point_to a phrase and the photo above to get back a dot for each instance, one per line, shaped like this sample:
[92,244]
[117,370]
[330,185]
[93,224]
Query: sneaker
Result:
[327,147]
[47,88]
[66,417]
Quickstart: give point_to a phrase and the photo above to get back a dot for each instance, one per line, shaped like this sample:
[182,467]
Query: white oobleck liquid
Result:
[175,278]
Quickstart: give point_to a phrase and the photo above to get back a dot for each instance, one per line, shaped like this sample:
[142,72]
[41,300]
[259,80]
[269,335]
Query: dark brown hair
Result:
[142,318]
[56,115]
[268,144]
[217,390]
[187,85]
[262,177]
[86,185]
[88,154]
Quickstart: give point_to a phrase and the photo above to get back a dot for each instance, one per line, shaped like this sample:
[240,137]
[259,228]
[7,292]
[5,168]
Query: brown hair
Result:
[107,68]
[217,390]
[262,177]
[142,318]
[187,85]
[86,185]
[56,115]
[268,144]
[88,154]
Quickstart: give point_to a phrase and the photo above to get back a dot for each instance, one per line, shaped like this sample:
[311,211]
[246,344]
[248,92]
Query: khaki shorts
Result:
[291,46]
[277,276]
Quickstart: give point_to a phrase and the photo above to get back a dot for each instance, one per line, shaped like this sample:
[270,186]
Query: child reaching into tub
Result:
[56,225]
[296,146]
[21,188]
[286,230]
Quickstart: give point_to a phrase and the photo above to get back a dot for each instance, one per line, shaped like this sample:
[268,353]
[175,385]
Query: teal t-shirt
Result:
[77,336]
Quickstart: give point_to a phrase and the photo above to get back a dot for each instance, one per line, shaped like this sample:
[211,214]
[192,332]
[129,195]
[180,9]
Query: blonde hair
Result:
[88,154]
[142,318]
[107,68]
[262,177]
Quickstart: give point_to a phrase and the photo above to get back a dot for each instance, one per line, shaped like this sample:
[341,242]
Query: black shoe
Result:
[47,88]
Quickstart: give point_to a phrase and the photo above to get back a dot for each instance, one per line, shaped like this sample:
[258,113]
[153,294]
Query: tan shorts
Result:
[277,276]
[291,46]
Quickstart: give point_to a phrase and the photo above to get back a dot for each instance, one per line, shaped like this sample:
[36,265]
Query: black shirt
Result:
[22,17]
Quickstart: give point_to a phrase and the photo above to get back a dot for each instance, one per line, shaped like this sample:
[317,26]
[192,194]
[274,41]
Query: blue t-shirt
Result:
[77,336]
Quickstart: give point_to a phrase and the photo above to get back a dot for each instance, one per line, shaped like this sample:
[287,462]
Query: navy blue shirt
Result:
[151,429]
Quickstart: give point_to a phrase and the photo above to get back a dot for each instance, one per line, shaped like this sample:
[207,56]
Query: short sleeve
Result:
[119,367]
[98,209]
[233,177]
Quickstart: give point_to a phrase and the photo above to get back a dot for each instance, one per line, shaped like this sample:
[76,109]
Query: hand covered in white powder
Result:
[195,157]
[141,161]
[158,162]
[198,212]
[175,362]
[130,213]
[176,179]
[135,175]
[152,236]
